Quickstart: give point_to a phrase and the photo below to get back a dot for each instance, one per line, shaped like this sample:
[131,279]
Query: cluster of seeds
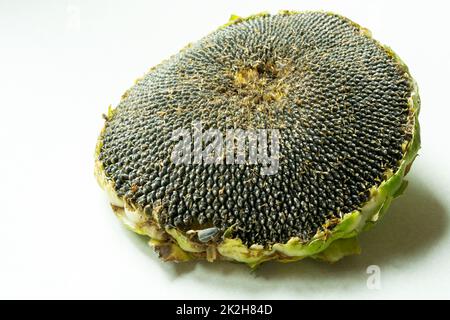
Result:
[338,99]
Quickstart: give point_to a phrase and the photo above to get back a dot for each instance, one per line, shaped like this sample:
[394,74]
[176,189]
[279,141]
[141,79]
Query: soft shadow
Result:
[414,223]
[178,269]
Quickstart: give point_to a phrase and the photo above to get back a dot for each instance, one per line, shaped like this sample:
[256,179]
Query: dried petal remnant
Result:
[339,99]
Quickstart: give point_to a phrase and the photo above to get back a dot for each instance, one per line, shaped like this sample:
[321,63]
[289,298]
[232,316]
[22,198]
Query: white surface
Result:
[62,64]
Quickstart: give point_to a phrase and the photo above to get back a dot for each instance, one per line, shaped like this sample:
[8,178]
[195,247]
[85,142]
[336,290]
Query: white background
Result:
[63,62]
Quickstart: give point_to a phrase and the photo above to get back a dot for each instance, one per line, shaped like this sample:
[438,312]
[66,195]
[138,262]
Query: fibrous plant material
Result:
[346,110]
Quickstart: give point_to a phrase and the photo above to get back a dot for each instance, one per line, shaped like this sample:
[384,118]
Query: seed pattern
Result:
[338,99]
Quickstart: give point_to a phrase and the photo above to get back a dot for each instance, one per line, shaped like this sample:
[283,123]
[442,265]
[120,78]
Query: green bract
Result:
[336,239]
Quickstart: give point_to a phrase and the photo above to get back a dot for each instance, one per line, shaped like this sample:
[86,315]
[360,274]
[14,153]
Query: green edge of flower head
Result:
[329,245]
